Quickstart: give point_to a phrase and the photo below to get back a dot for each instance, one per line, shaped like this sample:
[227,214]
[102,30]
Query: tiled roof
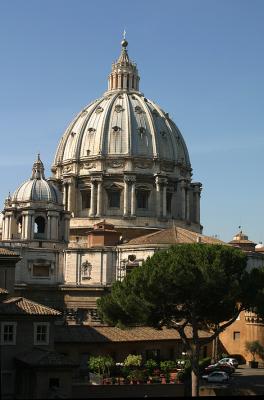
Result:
[41,357]
[6,252]
[3,291]
[172,236]
[105,334]
[20,305]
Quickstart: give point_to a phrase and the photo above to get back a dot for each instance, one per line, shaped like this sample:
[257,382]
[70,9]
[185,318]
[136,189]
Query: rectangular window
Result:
[114,199]
[236,335]
[41,333]
[168,205]
[153,354]
[86,199]
[41,271]
[8,333]
[142,199]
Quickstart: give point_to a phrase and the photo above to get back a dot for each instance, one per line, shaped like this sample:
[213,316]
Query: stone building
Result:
[121,189]
[121,170]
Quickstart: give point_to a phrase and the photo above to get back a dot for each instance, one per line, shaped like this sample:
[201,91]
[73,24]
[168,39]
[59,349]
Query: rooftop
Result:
[172,236]
[21,305]
[105,334]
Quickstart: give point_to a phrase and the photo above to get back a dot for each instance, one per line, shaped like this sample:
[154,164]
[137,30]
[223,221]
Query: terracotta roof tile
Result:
[20,305]
[172,236]
[6,252]
[104,334]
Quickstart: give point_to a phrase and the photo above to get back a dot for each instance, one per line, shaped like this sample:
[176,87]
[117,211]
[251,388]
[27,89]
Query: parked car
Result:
[217,376]
[230,360]
[225,367]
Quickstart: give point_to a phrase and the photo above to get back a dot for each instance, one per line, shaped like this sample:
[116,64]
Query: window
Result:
[39,228]
[86,199]
[236,335]
[114,199]
[153,354]
[168,205]
[8,333]
[142,199]
[41,271]
[41,333]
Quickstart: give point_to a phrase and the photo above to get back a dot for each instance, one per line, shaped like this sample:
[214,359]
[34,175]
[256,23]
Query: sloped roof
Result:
[42,358]
[21,305]
[172,236]
[106,334]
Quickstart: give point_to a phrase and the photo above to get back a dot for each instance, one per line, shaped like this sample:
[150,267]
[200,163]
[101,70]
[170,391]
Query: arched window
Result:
[39,227]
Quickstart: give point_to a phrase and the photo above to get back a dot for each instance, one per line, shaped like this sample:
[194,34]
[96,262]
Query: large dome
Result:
[122,124]
[124,159]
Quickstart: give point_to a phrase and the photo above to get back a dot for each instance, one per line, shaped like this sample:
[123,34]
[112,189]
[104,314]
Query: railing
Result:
[252,318]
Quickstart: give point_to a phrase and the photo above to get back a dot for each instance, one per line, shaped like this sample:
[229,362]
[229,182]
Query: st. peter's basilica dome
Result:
[122,158]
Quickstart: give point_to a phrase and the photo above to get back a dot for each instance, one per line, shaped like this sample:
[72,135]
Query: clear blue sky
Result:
[200,60]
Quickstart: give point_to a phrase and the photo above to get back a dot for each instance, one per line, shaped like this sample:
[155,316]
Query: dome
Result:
[123,159]
[37,188]
[122,123]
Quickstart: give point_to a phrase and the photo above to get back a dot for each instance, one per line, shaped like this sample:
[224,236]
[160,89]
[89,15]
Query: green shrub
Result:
[167,366]
[133,360]
[100,364]
[150,365]
[137,375]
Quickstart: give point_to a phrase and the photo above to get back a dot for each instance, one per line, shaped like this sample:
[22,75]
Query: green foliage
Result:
[255,348]
[185,374]
[150,365]
[137,375]
[101,364]
[167,366]
[133,360]
[200,278]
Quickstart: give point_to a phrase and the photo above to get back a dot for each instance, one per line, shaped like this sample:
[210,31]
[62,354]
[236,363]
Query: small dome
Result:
[37,188]
[259,246]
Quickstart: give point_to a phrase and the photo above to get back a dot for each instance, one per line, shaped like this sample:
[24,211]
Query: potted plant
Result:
[100,366]
[254,348]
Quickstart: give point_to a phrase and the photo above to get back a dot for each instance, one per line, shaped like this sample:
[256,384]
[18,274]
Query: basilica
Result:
[121,189]
[121,171]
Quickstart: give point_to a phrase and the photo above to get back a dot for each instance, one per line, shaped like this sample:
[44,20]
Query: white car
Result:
[217,376]
[229,360]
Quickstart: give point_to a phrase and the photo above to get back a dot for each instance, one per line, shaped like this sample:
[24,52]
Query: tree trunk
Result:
[195,384]
[195,372]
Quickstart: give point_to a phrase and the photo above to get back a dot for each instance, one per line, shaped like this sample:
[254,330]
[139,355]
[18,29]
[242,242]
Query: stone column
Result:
[92,208]
[164,199]
[187,202]
[197,193]
[65,195]
[126,189]
[133,199]
[67,218]
[99,198]
[119,81]
[70,197]
[49,226]
[130,81]
[125,81]
[158,199]
[183,199]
